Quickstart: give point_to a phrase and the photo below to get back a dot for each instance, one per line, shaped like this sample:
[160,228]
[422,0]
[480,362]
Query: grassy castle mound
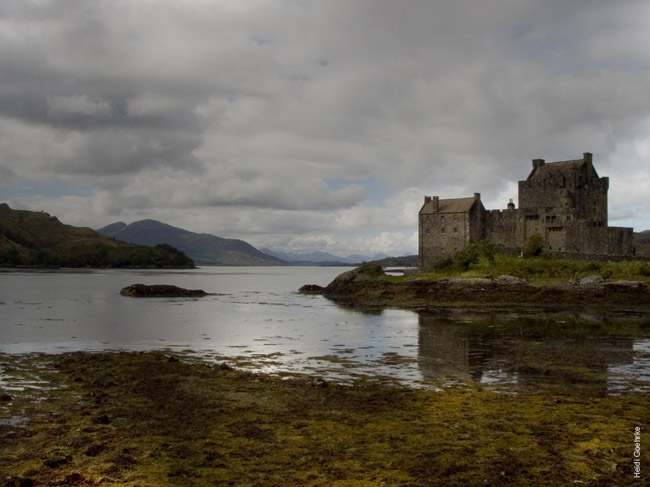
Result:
[501,280]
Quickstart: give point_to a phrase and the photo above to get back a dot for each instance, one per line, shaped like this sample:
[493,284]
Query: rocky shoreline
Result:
[359,288]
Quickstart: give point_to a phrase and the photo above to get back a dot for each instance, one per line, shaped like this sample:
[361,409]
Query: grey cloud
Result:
[232,106]
[230,189]
[7,173]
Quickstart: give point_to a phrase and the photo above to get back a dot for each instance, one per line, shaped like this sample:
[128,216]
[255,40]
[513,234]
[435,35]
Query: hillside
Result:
[404,261]
[37,239]
[202,248]
[307,258]
[320,258]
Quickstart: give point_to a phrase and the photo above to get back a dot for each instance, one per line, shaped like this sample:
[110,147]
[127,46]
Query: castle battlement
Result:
[502,214]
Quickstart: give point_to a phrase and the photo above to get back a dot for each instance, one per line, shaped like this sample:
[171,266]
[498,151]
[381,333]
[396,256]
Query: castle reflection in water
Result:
[535,349]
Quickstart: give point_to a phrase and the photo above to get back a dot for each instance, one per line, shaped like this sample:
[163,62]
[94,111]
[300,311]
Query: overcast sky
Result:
[315,125]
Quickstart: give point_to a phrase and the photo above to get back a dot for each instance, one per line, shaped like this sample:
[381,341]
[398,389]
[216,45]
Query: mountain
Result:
[306,258]
[404,261]
[37,239]
[320,258]
[112,229]
[202,248]
[360,259]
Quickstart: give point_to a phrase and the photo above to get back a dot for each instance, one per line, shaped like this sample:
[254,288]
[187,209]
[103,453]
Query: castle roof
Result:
[560,169]
[451,205]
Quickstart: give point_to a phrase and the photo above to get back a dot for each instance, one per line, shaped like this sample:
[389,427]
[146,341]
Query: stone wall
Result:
[501,227]
[442,235]
[621,240]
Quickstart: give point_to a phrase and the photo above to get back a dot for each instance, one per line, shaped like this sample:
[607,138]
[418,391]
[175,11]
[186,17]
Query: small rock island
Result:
[161,291]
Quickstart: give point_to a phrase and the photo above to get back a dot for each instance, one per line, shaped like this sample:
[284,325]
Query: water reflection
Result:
[257,320]
[535,349]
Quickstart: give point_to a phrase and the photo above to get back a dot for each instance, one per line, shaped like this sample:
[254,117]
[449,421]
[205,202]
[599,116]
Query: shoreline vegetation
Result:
[157,418]
[499,280]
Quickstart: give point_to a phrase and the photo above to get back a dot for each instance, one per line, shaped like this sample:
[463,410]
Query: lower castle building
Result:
[563,202]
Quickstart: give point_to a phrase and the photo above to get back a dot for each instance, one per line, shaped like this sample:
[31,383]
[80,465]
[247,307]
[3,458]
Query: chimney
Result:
[436,203]
[537,163]
[511,205]
[477,196]
[588,158]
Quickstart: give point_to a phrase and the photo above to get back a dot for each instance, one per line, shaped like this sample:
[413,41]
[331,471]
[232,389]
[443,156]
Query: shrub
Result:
[467,257]
[533,246]
[372,270]
[471,254]
[445,264]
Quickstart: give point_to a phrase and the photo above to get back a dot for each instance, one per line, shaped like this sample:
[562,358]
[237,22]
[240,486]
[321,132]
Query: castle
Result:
[563,202]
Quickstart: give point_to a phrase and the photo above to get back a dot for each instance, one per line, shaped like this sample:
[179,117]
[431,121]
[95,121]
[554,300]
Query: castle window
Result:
[442,230]
[455,230]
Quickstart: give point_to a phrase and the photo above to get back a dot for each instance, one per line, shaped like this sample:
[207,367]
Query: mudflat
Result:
[157,418]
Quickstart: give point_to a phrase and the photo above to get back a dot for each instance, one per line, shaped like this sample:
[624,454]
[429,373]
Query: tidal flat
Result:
[162,418]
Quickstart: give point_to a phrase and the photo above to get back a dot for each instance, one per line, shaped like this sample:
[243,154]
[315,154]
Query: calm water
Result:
[260,320]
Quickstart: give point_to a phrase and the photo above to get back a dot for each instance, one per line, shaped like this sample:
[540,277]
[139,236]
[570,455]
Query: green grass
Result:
[546,270]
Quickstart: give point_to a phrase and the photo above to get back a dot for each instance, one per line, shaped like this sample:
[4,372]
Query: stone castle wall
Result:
[563,202]
[501,227]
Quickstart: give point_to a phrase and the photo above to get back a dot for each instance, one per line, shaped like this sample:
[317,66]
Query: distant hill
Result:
[306,258]
[320,258]
[642,243]
[405,261]
[202,248]
[37,239]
